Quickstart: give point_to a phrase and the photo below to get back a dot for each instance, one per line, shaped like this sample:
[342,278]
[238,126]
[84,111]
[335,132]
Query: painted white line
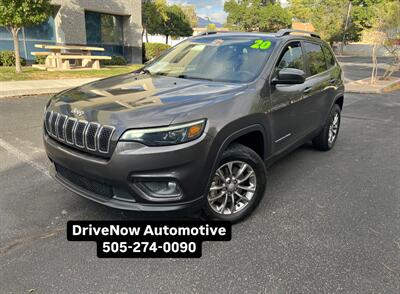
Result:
[24,158]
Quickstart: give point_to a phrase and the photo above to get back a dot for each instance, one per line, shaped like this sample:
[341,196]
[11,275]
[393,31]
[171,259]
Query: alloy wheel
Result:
[333,129]
[233,187]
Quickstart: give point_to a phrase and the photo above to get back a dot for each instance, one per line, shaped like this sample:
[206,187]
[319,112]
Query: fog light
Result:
[161,189]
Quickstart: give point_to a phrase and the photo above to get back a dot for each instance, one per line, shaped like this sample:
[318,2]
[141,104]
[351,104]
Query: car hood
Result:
[140,100]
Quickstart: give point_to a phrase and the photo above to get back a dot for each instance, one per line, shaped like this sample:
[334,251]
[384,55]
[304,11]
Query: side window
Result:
[292,57]
[330,60]
[316,58]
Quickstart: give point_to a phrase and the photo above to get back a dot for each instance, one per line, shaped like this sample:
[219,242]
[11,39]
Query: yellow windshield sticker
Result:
[261,44]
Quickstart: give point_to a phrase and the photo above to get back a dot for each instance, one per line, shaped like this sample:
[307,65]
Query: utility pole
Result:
[345,27]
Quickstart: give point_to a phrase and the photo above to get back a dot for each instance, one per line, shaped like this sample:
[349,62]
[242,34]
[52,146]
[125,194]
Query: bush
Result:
[115,60]
[7,58]
[152,50]
[40,59]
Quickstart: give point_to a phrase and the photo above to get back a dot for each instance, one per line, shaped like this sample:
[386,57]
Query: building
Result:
[304,26]
[112,24]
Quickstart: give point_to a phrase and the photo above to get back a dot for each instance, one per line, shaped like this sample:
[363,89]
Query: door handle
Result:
[307,90]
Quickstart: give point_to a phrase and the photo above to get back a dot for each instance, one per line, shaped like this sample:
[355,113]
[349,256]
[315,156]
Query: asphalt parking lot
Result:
[329,222]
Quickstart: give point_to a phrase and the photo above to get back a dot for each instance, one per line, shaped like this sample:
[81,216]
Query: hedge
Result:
[40,59]
[152,50]
[7,58]
[115,60]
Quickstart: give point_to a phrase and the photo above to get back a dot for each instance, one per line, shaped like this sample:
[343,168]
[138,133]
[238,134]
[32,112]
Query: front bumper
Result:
[111,182]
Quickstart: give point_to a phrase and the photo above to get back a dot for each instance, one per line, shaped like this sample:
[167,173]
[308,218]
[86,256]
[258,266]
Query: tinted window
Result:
[292,57]
[330,60]
[217,58]
[103,28]
[316,58]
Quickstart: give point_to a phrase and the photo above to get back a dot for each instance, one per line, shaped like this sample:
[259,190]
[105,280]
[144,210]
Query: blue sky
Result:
[214,9]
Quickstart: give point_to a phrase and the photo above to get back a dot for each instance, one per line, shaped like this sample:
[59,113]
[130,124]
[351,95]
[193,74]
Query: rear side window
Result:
[292,57]
[330,60]
[316,58]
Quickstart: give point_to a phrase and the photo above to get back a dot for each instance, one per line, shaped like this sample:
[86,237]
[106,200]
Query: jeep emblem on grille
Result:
[77,112]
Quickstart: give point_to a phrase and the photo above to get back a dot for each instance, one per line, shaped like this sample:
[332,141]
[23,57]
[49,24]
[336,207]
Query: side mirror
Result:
[289,76]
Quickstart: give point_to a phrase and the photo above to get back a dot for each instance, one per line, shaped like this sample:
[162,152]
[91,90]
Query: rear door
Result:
[317,86]
[335,79]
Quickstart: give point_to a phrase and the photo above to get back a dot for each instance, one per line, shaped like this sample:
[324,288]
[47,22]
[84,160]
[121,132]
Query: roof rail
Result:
[207,33]
[285,32]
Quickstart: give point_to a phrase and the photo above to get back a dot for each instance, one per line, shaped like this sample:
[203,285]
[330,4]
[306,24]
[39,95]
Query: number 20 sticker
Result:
[261,44]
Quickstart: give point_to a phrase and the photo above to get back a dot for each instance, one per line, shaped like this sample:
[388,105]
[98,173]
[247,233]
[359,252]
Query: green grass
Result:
[29,73]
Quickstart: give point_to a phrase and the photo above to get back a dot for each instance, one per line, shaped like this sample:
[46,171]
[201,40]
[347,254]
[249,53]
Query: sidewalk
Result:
[357,75]
[37,87]
[365,87]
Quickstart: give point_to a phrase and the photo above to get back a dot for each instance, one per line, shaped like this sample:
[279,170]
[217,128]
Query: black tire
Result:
[322,142]
[241,153]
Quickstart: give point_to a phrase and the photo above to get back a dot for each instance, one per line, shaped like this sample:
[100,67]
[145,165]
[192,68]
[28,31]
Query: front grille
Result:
[79,133]
[60,127]
[95,186]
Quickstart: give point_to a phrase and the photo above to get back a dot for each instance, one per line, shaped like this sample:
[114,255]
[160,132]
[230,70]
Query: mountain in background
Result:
[203,22]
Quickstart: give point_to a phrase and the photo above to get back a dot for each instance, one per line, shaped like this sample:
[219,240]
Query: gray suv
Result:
[196,128]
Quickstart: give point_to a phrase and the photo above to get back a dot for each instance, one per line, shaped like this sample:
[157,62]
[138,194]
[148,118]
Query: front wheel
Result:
[326,139]
[237,186]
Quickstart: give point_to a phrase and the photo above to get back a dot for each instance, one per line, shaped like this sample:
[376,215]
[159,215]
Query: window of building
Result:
[103,28]
[316,58]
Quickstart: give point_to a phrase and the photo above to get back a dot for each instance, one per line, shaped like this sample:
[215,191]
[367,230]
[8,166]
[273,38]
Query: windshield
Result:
[216,58]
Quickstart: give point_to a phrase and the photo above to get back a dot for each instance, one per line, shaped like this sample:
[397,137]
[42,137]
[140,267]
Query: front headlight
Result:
[167,135]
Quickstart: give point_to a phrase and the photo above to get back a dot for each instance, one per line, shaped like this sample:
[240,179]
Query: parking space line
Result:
[24,158]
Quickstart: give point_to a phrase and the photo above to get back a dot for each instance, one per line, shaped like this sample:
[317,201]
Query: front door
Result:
[286,122]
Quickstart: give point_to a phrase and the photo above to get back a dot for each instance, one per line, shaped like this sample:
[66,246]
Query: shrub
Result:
[115,60]
[152,50]
[7,58]
[40,59]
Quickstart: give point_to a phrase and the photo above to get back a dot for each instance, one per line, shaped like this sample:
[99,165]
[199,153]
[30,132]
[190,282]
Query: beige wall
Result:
[70,21]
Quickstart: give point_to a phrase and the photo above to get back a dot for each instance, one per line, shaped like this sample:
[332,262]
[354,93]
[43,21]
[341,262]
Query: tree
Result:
[154,14]
[329,18]
[191,15]
[15,14]
[257,15]
[177,25]
[361,18]
[302,10]
[211,27]
[385,31]
[273,18]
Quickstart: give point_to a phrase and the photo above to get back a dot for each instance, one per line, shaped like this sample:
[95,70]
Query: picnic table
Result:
[59,57]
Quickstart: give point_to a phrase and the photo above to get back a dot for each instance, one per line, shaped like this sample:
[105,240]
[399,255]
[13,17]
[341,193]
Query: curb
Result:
[368,89]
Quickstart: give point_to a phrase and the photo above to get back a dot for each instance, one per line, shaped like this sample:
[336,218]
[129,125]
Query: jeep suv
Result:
[196,128]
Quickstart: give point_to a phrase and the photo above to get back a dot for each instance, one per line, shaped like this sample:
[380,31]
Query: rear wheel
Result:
[328,136]
[237,186]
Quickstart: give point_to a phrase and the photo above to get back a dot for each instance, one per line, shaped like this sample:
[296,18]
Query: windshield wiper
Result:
[145,71]
[193,78]
[160,73]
